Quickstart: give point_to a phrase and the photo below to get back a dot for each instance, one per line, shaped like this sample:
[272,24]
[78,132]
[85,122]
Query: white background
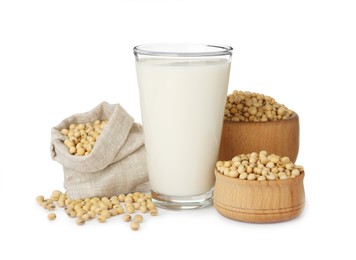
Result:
[58,58]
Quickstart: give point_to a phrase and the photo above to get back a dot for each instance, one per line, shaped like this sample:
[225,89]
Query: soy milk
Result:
[182,106]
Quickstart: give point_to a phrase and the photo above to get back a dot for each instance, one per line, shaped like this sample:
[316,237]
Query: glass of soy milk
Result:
[183,90]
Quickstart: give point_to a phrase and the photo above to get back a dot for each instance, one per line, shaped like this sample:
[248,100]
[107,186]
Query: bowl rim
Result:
[256,182]
[292,117]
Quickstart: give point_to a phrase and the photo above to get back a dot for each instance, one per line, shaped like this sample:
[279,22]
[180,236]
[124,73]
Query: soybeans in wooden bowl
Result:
[255,122]
[259,188]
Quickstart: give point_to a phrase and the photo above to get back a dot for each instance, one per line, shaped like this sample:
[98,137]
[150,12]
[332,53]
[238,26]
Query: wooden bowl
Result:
[259,201]
[278,137]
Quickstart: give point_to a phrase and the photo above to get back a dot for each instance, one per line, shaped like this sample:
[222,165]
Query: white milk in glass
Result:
[182,106]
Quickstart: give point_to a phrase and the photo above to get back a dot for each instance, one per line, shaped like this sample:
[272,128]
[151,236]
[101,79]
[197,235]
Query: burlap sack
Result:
[117,163]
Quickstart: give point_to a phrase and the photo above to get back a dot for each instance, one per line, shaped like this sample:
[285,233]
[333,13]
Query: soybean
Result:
[259,166]
[244,106]
[80,139]
[100,208]
[138,218]
[135,225]
[52,216]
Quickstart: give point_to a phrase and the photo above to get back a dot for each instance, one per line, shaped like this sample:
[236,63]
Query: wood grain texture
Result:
[259,201]
[279,137]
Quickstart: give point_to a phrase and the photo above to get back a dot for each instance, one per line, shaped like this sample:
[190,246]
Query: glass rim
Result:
[166,50]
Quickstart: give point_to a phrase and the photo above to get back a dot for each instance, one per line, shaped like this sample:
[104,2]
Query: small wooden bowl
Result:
[278,137]
[259,201]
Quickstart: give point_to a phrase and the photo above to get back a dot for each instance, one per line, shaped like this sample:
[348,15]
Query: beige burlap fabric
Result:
[117,163]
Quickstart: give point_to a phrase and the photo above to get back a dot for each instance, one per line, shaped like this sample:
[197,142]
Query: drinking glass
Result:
[183,90]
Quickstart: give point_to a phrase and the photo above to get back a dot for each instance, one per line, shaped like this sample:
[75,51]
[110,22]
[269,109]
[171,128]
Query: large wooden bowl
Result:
[259,201]
[278,137]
